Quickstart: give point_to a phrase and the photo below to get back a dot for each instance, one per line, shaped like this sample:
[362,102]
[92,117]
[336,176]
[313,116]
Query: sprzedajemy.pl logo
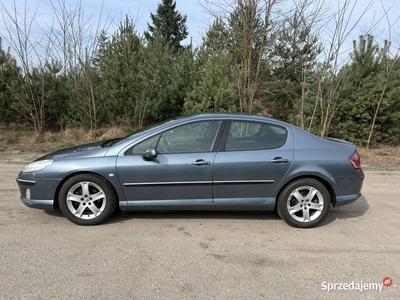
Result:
[356,286]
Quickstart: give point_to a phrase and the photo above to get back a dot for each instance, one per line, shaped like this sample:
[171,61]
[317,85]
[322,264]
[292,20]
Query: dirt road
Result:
[190,255]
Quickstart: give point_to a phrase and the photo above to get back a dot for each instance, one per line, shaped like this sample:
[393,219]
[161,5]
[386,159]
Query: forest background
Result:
[282,59]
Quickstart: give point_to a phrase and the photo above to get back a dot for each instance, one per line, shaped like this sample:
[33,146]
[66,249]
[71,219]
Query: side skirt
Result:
[171,205]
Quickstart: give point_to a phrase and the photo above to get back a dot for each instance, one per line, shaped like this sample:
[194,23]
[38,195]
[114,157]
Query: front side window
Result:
[194,137]
[246,135]
[141,148]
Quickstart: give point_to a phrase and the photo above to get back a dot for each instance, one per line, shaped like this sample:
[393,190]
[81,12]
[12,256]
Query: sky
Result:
[197,18]
[113,11]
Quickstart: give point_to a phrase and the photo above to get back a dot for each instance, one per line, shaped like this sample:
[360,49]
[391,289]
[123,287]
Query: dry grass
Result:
[112,132]
[381,158]
[25,140]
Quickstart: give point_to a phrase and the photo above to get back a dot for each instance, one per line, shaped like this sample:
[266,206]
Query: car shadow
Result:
[54,213]
[353,210]
[119,216]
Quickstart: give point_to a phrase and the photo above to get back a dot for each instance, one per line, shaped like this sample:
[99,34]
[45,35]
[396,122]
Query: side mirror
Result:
[150,154]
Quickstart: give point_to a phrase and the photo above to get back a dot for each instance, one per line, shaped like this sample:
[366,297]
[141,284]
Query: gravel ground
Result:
[199,255]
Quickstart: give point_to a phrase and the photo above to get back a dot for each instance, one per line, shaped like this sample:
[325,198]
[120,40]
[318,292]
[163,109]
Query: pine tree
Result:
[216,39]
[249,25]
[295,53]
[215,81]
[169,24]
[9,85]
[364,81]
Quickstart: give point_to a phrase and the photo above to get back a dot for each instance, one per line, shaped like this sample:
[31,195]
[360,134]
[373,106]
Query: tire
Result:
[304,203]
[90,208]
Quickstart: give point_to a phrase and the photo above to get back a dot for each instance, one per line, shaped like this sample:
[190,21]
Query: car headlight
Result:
[37,165]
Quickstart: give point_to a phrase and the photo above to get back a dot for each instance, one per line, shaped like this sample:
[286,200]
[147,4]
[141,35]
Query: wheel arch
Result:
[325,182]
[57,191]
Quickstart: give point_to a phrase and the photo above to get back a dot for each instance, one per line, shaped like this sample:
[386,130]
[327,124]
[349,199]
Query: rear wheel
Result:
[304,203]
[87,199]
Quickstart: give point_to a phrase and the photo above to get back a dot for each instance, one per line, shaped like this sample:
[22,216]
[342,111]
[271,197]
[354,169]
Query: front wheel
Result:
[87,199]
[304,203]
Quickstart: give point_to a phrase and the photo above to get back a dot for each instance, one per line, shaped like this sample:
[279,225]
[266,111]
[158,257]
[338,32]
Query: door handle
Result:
[201,162]
[279,160]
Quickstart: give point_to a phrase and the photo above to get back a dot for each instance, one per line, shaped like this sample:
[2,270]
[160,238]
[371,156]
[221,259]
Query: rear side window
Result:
[245,135]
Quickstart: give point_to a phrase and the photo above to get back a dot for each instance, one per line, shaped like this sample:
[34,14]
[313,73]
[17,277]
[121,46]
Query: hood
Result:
[87,150]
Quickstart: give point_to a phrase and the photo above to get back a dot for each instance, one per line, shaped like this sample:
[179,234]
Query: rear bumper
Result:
[343,200]
[352,187]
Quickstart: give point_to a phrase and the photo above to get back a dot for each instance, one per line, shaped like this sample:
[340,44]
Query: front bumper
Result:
[37,193]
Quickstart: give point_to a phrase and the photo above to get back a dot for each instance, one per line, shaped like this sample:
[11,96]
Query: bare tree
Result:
[328,84]
[73,38]
[295,54]
[390,61]
[70,41]
[32,55]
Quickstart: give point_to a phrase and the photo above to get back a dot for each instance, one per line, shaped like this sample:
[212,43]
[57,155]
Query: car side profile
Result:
[200,162]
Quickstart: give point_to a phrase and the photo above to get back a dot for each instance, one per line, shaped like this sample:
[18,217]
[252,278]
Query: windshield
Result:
[143,129]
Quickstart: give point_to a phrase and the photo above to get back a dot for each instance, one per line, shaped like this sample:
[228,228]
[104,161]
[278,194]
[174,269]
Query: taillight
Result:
[355,160]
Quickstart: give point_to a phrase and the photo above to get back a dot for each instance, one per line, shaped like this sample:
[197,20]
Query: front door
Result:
[181,174]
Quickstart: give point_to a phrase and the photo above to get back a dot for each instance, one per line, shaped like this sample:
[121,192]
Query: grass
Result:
[381,153]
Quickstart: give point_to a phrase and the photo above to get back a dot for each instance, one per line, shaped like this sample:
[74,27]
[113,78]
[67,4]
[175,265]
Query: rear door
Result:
[254,158]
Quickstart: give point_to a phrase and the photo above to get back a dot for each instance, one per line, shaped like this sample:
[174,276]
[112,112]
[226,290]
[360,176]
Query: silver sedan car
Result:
[200,162]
